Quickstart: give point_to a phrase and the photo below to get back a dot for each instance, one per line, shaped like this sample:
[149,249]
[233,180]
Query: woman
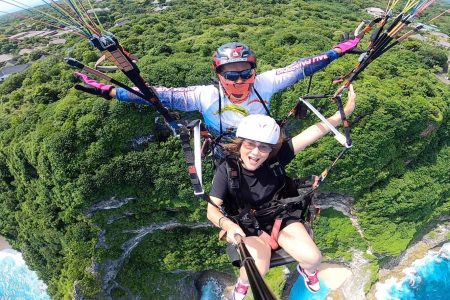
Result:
[257,146]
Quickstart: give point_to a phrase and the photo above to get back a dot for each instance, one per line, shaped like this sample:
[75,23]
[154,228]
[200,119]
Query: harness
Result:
[219,88]
[288,199]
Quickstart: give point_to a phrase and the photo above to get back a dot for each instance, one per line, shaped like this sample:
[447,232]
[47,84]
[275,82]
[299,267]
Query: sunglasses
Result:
[250,145]
[234,75]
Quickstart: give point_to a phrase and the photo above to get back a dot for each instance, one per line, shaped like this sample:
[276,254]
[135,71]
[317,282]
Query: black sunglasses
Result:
[234,75]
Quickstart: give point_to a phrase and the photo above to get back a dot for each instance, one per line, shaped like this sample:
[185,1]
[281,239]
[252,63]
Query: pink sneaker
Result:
[311,281]
[240,290]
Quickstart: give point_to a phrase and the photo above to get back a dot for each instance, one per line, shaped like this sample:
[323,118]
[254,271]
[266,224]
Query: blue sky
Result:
[10,8]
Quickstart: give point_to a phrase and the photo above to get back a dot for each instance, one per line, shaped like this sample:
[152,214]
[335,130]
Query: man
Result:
[239,91]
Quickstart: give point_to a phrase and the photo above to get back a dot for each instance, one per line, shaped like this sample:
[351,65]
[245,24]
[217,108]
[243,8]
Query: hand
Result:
[233,229]
[351,103]
[315,184]
[348,44]
[93,87]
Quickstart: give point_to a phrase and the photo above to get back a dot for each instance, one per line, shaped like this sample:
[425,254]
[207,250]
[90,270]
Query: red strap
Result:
[276,229]
[268,239]
[192,170]
[272,239]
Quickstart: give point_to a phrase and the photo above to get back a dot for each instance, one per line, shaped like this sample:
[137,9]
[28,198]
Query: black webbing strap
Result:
[234,179]
[262,102]
[110,47]
[345,122]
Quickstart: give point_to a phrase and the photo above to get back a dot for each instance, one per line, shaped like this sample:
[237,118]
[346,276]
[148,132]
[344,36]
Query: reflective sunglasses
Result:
[234,75]
[263,147]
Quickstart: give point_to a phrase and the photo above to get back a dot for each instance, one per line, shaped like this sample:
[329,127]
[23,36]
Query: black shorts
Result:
[266,225]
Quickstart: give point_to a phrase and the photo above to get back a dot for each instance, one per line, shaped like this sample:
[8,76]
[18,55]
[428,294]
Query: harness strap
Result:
[218,86]
[234,179]
[276,230]
[220,113]
[262,102]
[110,47]
[189,155]
[268,239]
[272,239]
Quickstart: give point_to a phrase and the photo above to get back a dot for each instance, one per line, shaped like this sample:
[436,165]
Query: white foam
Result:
[445,251]
[17,281]
[383,289]
[15,255]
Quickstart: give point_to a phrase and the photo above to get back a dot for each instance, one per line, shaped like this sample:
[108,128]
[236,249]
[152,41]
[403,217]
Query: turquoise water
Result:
[211,290]
[17,281]
[300,292]
[427,278]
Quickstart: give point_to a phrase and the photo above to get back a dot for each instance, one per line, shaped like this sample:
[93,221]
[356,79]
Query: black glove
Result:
[93,91]
[301,110]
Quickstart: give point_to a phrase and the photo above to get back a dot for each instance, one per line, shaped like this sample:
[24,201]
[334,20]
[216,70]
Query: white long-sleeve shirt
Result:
[205,98]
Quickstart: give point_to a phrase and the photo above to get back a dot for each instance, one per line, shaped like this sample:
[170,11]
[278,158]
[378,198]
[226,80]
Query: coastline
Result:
[4,244]
[347,282]
[334,275]
[395,269]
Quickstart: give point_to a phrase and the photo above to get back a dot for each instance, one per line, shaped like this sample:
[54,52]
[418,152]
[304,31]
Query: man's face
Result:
[237,80]
[239,66]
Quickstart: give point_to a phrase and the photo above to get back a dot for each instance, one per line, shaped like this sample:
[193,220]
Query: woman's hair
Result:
[234,147]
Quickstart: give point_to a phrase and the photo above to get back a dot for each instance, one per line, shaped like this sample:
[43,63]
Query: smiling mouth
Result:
[253,159]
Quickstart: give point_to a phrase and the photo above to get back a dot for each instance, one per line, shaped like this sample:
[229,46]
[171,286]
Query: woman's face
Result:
[253,154]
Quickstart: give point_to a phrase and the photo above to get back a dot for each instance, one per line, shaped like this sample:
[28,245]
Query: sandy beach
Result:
[334,275]
[4,244]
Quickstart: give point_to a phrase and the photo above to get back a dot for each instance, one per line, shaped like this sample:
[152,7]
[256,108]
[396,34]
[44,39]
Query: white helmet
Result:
[260,128]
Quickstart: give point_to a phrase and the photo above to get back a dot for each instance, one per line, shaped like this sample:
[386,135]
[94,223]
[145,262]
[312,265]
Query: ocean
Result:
[17,281]
[300,292]
[211,290]
[427,278]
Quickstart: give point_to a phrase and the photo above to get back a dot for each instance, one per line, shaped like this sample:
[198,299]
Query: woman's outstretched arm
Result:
[318,130]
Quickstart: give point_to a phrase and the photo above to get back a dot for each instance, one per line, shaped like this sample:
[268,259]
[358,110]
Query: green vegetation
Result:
[373,269]
[61,151]
[335,235]
[276,279]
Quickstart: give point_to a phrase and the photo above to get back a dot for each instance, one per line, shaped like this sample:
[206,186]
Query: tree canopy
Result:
[62,151]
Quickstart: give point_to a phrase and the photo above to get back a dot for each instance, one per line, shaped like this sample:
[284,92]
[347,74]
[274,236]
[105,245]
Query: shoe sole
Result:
[305,280]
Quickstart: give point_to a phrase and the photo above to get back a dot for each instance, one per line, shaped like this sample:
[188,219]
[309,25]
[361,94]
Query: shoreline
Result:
[433,240]
[334,275]
[338,277]
[4,244]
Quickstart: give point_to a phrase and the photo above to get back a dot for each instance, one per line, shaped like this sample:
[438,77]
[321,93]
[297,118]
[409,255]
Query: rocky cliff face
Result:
[108,270]
[434,237]
[190,285]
